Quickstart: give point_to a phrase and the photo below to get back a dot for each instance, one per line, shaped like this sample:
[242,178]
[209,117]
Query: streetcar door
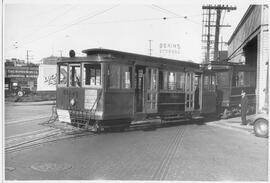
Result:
[139,89]
[189,91]
[151,90]
[209,96]
[197,92]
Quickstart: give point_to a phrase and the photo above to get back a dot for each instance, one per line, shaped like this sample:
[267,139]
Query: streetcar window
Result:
[160,80]
[152,75]
[223,79]
[75,75]
[212,83]
[242,78]
[180,81]
[165,82]
[126,77]
[172,81]
[92,74]
[114,76]
[206,82]
[209,83]
[62,76]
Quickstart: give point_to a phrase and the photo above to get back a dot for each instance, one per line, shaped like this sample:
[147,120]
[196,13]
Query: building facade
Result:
[249,45]
[20,78]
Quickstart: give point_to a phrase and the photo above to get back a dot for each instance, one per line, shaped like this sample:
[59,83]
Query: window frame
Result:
[84,75]
[109,78]
[59,74]
[211,83]
[123,75]
[247,75]
[179,81]
[71,64]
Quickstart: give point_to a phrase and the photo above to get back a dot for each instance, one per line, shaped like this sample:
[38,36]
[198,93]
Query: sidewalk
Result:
[232,123]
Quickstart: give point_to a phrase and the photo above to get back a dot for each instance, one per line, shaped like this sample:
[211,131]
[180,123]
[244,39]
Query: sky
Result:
[45,28]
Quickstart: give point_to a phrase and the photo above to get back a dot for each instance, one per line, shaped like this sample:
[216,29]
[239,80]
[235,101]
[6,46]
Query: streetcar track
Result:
[178,142]
[47,139]
[169,153]
[30,141]
[29,133]
[25,121]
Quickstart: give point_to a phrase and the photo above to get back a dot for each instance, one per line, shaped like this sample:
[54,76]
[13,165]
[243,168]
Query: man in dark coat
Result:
[244,105]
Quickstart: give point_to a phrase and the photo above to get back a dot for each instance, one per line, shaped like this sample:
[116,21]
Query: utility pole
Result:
[207,20]
[150,47]
[208,36]
[27,56]
[217,34]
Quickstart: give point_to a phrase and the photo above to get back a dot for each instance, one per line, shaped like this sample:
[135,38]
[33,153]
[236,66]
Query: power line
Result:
[75,23]
[175,14]
[127,20]
[166,10]
[131,20]
[49,22]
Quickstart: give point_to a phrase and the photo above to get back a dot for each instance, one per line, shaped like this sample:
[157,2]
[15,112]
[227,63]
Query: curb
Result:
[231,127]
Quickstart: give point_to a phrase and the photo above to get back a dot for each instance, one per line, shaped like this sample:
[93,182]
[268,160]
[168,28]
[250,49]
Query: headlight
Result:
[72,102]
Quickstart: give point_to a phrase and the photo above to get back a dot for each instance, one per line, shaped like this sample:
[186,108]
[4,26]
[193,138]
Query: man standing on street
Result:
[244,104]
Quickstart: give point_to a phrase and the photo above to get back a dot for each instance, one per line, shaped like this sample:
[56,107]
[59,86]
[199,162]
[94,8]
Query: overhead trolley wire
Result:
[175,14]
[75,23]
[49,22]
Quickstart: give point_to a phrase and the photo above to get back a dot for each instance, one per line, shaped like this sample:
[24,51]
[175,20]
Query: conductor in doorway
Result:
[244,104]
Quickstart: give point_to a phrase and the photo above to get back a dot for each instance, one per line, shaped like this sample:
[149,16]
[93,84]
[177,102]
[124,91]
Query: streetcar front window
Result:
[92,75]
[62,76]
[75,75]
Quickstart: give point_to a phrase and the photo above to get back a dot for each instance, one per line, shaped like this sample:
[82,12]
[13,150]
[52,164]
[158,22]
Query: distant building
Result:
[249,45]
[14,62]
[47,74]
[18,78]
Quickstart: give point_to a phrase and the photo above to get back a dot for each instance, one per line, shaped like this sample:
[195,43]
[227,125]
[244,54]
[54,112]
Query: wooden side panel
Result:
[64,95]
[118,104]
[235,98]
[209,102]
[171,103]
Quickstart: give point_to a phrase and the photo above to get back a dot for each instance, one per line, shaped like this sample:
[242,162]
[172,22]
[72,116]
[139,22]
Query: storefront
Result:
[20,80]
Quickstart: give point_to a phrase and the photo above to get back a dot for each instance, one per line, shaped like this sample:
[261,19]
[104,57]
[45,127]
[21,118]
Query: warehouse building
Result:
[249,45]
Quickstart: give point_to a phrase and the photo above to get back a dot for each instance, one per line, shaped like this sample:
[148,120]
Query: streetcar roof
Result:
[101,55]
[134,56]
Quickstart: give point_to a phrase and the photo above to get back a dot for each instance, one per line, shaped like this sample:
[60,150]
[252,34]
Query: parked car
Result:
[260,123]
[22,91]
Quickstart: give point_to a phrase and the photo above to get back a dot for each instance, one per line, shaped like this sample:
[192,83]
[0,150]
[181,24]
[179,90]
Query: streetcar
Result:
[109,88]
[231,80]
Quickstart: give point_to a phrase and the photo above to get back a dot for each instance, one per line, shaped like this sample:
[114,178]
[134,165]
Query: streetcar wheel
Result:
[20,93]
[261,128]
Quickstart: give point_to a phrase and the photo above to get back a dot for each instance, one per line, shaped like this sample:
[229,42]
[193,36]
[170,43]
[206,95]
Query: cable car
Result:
[109,88]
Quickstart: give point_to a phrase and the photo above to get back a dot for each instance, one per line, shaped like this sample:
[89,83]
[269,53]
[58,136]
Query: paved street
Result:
[24,117]
[184,153]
